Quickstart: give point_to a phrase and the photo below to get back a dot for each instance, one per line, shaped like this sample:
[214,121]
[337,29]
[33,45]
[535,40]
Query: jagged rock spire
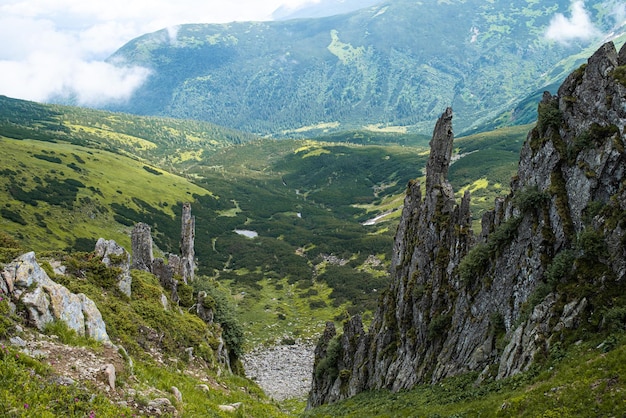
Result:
[187,252]
[141,245]
[441,316]
[398,350]
[440,152]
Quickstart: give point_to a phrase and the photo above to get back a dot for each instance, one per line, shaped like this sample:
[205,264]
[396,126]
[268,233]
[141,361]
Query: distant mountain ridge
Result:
[399,63]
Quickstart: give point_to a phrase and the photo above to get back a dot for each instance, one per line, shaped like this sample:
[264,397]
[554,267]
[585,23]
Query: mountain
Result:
[324,213]
[545,274]
[71,176]
[397,64]
[324,210]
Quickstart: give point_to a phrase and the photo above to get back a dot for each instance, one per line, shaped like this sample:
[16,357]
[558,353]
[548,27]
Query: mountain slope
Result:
[547,269]
[151,139]
[399,63]
[89,174]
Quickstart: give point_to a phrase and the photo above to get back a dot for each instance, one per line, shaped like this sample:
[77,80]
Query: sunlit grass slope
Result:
[57,194]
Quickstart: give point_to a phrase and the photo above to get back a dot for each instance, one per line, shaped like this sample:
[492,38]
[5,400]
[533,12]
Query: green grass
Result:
[280,310]
[175,330]
[106,179]
[27,391]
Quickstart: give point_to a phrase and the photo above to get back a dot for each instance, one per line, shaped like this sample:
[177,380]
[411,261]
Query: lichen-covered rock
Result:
[114,255]
[141,245]
[205,307]
[450,298]
[187,252]
[46,301]
[165,274]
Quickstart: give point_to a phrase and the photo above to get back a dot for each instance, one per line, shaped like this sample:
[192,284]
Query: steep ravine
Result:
[546,263]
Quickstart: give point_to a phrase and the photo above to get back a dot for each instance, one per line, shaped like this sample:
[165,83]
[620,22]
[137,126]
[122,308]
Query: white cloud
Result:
[57,48]
[576,27]
[618,10]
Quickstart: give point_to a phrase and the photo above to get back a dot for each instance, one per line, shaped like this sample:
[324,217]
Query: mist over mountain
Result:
[398,64]
[322,9]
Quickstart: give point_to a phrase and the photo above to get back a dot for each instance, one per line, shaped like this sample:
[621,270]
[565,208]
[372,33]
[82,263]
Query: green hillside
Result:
[159,141]
[398,64]
[97,173]
[60,195]
[313,259]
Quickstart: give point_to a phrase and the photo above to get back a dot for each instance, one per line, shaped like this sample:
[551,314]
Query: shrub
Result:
[327,366]
[7,241]
[592,245]
[438,326]
[474,263]
[5,315]
[560,268]
[548,116]
[317,304]
[152,170]
[13,216]
[615,319]
[48,158]
[530,198]
[185,295]
[225,314]
[593,209]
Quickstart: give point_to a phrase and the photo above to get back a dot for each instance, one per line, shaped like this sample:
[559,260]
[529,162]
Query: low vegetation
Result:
[312,260]
[141,326]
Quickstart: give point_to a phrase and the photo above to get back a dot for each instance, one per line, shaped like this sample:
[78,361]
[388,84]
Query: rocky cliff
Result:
[546,263]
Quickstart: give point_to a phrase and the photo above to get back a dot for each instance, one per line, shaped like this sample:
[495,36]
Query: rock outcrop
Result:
[187,239]
[178,266]
[452,295]
[46,301]
[114,255]
[165,273]
[141,247]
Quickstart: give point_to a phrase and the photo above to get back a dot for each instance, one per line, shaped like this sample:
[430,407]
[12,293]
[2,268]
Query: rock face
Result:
[452,295]
[141,241]
[47,301]
[187,239]
[114,255]
[182,266]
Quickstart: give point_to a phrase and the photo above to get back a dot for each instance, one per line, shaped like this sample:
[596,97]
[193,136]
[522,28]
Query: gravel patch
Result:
[283,372]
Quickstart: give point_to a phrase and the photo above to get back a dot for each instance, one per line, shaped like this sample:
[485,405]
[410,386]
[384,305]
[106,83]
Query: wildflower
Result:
[26,406]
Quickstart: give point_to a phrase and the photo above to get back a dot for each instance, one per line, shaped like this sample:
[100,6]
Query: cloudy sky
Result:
[56,48]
